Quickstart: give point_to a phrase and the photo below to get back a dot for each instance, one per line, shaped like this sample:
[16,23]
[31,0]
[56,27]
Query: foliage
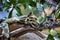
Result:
[57,11]
[41,19]
[50,37]
[53,32]
[53,35]
[58,35]
[0,9]
[9,5]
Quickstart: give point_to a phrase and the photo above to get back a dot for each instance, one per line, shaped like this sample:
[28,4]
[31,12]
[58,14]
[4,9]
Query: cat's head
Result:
[32,16]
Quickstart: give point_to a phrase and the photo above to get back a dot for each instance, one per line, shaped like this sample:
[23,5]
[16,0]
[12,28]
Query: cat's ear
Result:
[30,14]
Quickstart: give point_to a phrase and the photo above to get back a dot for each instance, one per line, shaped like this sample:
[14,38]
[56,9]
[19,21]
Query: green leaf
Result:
[4,1]
[24,5]
[18,4]
[1,9]
[32,3]
[10,14]
[49,28]
[19,11]
[6,9]
[58,35]
[40,1]
[6,5]
[58,17]
[41,19]
[0,1]
[21,1]
[50,37]
[53,32]
[29,8]
[13,2]
[57,12]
